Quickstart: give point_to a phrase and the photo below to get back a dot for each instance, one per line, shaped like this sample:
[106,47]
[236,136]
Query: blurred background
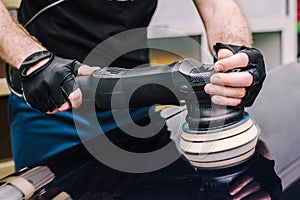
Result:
[275,25]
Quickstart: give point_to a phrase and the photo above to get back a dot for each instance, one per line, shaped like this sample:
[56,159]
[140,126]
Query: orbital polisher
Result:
[219,141]
[213,136]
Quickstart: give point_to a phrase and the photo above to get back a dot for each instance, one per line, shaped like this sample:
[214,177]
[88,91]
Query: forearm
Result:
[224,22]
[15,42]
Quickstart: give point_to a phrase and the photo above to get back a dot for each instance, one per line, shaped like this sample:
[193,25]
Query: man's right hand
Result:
[48,82]
[240,87]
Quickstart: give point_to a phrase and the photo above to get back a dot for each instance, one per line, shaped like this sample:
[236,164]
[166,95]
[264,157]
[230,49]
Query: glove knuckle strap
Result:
[233,48]
[34,59]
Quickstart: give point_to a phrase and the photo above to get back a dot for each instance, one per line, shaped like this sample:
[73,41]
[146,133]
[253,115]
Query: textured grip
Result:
[199,77]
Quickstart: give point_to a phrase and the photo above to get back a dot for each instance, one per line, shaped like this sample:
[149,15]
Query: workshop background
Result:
[275,25]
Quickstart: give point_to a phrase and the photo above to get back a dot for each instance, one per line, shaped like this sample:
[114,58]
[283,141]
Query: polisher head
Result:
[220,147]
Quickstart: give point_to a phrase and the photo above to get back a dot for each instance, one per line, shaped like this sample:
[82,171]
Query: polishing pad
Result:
[221,147]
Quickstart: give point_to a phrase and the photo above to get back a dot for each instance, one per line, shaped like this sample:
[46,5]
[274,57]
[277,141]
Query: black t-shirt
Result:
[73,28]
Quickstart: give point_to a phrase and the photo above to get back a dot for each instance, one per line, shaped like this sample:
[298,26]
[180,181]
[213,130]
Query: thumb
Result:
[71,90]
[85,70]
[76,98]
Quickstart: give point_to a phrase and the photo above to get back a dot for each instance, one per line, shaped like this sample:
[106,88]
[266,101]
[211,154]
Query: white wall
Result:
[274,21]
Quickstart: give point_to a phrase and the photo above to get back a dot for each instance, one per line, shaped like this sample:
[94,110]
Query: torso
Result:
[73,28]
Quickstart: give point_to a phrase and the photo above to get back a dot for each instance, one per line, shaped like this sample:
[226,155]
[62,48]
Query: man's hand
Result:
[239,87]
[248,188]
[48,82]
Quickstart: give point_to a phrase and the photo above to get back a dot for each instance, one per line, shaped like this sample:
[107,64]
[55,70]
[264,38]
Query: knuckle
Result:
[244,58]
[248,80]
[236,102]
[240,101]
[241,92]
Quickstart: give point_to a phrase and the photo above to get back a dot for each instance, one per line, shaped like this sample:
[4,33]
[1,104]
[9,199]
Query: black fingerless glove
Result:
[49,86]
[256,67]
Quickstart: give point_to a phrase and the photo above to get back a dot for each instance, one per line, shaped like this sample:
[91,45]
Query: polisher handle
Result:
[179,83]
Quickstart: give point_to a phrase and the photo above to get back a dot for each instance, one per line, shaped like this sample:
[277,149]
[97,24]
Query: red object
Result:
[298,6]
